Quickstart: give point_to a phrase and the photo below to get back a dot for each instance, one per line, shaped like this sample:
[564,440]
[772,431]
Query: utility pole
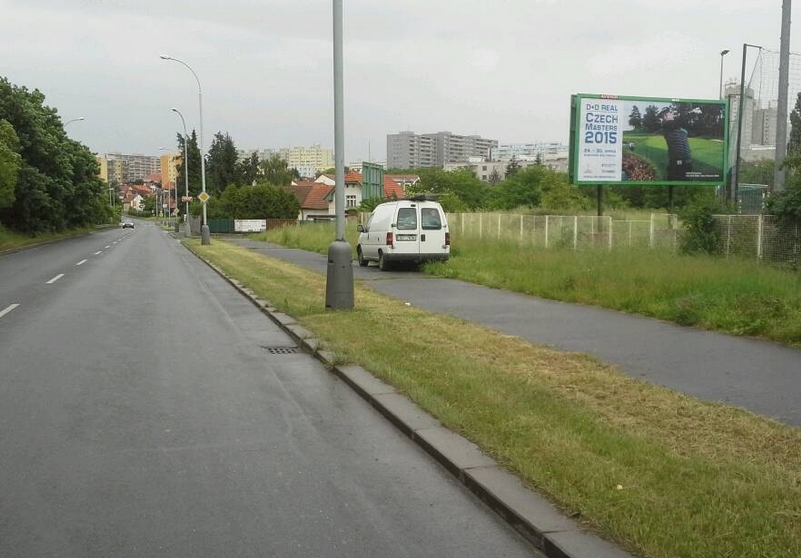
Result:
[779,173]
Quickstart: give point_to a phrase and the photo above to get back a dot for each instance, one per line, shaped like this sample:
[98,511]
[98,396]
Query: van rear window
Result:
[431,219]
[407,219]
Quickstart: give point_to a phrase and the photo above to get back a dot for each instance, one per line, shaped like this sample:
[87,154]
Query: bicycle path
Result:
[760,376]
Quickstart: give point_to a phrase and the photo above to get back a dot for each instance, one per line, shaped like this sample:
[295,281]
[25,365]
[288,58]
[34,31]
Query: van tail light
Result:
[447,239]
[390,240]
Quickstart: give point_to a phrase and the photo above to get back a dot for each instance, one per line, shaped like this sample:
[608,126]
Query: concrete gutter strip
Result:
[530,514]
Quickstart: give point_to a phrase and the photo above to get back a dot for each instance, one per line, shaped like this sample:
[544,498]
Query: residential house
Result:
[317,198]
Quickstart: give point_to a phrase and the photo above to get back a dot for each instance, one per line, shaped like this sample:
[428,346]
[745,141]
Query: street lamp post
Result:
[723,53]
[73,120]
[187,230]
[205,237]
[339,281]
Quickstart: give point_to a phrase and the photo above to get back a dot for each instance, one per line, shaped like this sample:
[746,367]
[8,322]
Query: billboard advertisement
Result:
[648,141]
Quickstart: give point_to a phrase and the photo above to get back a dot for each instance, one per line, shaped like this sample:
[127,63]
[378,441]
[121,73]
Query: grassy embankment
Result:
[10,240]
[659,473]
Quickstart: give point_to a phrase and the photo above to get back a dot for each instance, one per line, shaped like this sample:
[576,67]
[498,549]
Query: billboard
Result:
[648,141]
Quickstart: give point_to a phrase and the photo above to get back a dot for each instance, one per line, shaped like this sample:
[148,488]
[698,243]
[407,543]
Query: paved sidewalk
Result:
[760,376]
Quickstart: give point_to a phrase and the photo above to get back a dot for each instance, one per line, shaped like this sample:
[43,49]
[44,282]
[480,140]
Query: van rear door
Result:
[432,234]
[407,233]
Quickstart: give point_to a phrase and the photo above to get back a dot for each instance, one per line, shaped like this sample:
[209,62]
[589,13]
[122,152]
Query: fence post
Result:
[609,226]
[728,236]
[651,232]
[759,237]
[575,232]
[547,220]
[521,228]
[499,226]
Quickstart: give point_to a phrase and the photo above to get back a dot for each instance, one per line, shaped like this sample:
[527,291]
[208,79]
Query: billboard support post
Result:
[600,197]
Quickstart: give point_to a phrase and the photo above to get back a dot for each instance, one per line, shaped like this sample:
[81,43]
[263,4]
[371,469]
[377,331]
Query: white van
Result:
[413,231]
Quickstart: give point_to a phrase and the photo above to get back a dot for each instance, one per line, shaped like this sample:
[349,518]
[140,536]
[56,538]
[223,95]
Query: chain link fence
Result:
[762,237]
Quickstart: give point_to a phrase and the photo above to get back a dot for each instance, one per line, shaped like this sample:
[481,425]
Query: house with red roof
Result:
[317,198]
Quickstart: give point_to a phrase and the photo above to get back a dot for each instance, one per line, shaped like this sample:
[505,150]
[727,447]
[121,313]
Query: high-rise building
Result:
[308,161]
[407,150]
[169,169]
[733,96]
[124,169]
[764,129]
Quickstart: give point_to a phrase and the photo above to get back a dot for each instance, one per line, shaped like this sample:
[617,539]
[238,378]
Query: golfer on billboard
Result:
[674,130]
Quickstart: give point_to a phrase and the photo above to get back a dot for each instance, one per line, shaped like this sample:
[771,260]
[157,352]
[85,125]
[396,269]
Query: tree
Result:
[221,164]
[262,201]
[494,177]
[275,170]
[650,121]
[10,163]
[57,185]
[635,118]
[523,189]
[512,168]
[459,187]
[248,169]
[794,143]
[193,154]
[559,195]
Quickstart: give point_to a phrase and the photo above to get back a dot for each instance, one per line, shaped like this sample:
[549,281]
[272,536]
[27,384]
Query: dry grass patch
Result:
[658,472]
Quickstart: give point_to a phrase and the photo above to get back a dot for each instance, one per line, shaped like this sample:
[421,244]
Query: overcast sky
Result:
[502,69]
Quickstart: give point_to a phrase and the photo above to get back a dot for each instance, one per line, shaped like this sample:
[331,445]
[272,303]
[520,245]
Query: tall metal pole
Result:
[736,176]
[779,172]
[205,237]
[187,230]
[339,282]
[723,53]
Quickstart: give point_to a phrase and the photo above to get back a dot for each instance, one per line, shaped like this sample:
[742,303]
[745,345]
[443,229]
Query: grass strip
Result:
[658,473]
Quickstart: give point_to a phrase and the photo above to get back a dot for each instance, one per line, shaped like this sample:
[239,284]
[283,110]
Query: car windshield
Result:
[407,219]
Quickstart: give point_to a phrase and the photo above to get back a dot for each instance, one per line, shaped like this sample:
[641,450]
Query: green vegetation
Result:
[48,182]
[732,295]
[656,472]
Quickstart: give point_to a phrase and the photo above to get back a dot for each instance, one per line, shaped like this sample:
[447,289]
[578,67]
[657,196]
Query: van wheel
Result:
[383,265]
[362,261]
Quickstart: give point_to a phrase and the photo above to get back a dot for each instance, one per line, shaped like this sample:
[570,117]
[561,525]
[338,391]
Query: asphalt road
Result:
[147,409]
[760,376]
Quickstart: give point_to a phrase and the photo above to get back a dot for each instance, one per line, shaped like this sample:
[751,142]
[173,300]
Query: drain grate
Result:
[281,350]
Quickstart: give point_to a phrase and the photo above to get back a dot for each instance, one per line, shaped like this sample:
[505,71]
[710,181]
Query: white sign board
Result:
[250,225]
[600,150]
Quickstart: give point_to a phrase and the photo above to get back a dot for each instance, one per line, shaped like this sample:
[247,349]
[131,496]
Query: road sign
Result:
[203,197]
[186,199]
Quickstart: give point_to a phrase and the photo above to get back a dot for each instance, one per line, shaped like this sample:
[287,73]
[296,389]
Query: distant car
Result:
[127,225]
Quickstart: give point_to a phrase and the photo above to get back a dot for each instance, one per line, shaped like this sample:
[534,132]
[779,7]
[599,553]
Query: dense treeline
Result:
[48,182]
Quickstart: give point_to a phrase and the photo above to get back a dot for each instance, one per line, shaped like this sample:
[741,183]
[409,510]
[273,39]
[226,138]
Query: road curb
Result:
[530,514]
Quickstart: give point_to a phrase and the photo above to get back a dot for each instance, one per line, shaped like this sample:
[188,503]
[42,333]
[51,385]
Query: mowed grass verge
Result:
[660,474]
[730,295]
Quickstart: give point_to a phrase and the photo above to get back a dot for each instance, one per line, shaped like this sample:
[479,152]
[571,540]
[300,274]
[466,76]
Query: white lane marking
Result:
[7,310]
[109,246]
[98,252]
[81,262]
[56,278]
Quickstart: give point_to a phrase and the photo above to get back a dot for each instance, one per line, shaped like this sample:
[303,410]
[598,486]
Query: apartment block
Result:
[529,151]
[124,168]
[307,160]
[407,150]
